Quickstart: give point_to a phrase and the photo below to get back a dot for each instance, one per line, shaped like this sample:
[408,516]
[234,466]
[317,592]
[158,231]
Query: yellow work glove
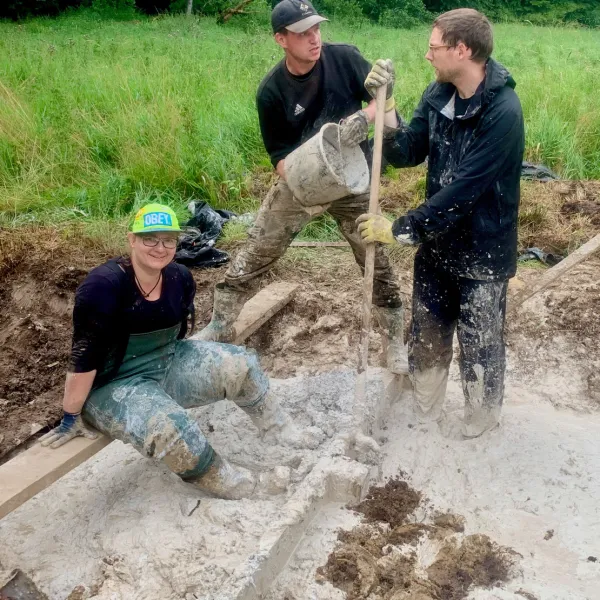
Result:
[382,73]
[375,228]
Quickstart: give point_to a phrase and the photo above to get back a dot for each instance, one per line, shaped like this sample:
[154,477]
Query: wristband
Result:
[68,420]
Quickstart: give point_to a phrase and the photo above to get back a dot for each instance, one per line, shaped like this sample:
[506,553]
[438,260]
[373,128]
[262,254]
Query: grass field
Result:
[97,117]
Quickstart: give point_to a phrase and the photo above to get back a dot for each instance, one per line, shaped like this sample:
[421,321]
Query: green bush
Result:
[346,11]
[542,12]
[406,14]
[390,13]
[113,8]
[19,9]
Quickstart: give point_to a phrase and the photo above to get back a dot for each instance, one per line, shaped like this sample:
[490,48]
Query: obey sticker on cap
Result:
[157,218]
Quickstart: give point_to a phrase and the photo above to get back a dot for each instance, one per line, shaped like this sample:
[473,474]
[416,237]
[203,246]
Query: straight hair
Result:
[470,27]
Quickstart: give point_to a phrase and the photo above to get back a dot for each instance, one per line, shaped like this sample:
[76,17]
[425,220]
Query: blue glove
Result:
[71,426]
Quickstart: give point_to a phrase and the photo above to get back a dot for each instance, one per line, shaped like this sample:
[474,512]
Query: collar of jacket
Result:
[441,95]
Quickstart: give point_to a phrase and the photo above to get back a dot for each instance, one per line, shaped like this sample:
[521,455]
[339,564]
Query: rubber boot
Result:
[231,482]
[271,419]
[391,320]
[227,304]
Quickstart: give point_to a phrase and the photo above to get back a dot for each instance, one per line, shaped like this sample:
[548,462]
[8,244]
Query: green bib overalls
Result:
[144,403]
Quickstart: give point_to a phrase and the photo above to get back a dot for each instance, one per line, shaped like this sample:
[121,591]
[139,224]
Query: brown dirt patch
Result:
[475,562]
[39,277]
[375,560]
[559,326]
[390,503]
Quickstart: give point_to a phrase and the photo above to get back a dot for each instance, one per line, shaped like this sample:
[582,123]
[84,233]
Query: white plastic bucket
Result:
[323,169]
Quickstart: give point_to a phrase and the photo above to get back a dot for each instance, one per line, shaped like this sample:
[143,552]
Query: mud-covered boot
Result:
[272,420]
[227,304]
[231,482]
[391,320]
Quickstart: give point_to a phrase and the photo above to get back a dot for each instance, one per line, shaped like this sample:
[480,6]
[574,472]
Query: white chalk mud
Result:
[122,526]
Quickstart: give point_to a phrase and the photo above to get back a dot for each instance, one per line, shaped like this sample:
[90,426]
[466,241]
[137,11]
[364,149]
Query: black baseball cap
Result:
[295,16]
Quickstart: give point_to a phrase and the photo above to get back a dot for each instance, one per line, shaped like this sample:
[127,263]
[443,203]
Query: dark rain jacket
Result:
[468,221]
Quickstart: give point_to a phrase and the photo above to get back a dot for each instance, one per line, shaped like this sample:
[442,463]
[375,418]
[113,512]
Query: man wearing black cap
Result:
[313,85]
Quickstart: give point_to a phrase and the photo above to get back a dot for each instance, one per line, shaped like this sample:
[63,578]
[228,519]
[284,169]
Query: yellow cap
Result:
[155,217]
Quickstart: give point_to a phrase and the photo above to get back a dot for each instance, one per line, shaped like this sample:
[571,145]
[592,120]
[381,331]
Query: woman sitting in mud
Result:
[132,375]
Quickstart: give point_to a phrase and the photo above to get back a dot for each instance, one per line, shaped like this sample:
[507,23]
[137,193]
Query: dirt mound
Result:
[557,216]
[35,334]
[390,503]
[378,559]
[475,562]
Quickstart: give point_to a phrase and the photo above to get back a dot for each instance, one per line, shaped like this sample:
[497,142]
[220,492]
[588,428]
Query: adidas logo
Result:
[299,110]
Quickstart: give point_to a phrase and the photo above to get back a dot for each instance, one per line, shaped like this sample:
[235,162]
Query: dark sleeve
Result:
[408,145]
[273,125]
[189,289]
[189,293]
[94,316]
[360,67]
[499,140]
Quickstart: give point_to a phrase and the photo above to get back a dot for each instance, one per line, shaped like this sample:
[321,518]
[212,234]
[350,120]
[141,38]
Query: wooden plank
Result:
[258,310]
[35,469]
[320,245]
[555,272]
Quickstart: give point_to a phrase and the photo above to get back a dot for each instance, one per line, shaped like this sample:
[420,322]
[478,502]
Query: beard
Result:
[446,75]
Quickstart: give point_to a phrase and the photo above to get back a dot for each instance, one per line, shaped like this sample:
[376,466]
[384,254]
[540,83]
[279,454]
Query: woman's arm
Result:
[77,389]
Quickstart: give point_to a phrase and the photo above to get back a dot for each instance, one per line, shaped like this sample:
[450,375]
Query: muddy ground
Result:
[40,270]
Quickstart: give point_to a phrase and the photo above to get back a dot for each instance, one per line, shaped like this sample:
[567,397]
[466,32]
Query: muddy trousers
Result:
[145,404]
[443,303]
[281,218]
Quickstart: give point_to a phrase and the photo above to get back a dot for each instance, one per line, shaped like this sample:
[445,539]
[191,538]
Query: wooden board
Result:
[258,310]
[35,469]
[554,273]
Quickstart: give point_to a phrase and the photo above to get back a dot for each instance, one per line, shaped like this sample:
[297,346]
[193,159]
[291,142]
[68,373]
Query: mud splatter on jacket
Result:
[468,221]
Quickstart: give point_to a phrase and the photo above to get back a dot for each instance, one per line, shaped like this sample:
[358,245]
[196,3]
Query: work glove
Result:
[382,73]
[71,426]
[375,228]
[354,129]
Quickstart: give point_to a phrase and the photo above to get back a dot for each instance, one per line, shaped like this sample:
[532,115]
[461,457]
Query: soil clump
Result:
[382,558]
[390,503]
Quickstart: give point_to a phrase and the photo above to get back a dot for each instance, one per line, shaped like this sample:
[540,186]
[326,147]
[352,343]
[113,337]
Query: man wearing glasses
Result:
[469,126]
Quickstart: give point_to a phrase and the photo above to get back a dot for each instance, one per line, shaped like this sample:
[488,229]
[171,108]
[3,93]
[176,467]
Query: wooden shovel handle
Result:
[370,252]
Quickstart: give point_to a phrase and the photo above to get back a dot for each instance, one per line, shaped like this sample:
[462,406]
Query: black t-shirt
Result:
[461,105]
[109,308]
[291,109]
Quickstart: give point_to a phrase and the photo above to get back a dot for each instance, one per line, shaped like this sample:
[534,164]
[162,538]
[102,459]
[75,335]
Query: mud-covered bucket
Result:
[323,169]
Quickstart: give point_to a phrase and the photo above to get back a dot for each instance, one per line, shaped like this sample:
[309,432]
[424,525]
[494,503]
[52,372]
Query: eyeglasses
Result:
[152,241]
[433,48]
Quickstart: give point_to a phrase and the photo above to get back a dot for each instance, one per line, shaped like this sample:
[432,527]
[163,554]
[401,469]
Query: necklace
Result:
[146,294]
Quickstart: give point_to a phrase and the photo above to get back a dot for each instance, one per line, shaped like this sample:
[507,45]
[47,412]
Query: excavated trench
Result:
[444,518]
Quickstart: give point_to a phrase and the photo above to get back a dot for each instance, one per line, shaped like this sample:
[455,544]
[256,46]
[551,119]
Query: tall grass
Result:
[98,117]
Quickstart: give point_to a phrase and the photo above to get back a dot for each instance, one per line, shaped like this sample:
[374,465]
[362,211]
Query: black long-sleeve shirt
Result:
[109,308]
[291,109]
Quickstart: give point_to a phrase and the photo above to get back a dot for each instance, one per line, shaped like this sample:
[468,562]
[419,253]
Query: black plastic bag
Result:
[195,247]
